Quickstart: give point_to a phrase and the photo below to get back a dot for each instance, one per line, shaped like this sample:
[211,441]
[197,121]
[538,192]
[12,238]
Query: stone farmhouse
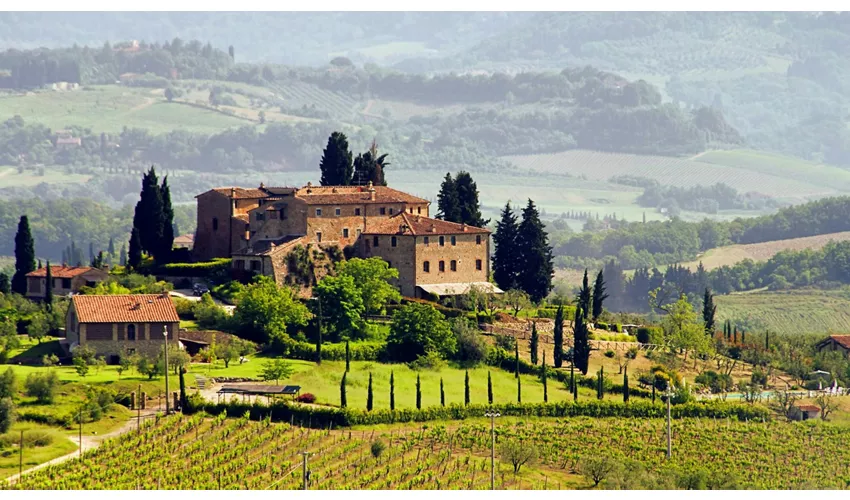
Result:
[66,280]
[258,228]
[121,324]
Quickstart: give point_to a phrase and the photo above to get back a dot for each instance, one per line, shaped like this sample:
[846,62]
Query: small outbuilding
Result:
[804,412]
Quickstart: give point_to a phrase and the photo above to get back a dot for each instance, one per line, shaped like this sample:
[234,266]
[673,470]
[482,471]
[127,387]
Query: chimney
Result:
[233,192]
[262,185]
[463,226]
[371,191]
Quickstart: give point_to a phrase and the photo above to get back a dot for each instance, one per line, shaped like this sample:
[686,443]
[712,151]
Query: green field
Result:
[743,170]
[791,312]
[52,444]
[9,177]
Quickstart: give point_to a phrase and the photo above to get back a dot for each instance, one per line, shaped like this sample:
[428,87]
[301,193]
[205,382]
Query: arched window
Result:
[131,332]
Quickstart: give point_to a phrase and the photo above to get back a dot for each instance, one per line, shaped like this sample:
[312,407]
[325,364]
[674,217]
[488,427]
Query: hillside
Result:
[789,312]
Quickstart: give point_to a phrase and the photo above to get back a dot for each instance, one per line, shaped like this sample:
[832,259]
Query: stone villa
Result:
[66,280]
[258,228]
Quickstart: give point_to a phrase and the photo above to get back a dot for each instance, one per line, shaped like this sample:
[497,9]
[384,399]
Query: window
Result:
[130,351]
[131,332]
[66,282]
[240,264]
[215,223]
[318,212]
[261,216]
[272,215]
[337,212]
[283,214]
[345,232]
[389,263]
[255,265]
[393,241]
[477,264]
[391,210]
[426,241]
[419,210]
[357,211]
[442,241]
[442,266]
[410,210]
[426,266]
[454,241]
[477,239]
[383,211]
[453,265]
[375,241]
[319,236]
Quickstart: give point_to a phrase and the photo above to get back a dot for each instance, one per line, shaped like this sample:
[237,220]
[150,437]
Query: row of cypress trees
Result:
[522,256]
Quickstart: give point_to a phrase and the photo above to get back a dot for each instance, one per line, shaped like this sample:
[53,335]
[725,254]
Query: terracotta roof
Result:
[238,193]
[341,195]
[61,271]
[185,238]
[418,225]
[808,407]
[125,309]
[842,340]
[242,217]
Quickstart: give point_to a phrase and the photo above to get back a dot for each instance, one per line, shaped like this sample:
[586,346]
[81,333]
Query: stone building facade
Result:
[122,324]
[66,280]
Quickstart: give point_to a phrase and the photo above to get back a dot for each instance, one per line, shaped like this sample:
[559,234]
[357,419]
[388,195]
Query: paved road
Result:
[188,294]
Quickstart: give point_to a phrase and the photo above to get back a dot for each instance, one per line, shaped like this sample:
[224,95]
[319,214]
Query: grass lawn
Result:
[32,455]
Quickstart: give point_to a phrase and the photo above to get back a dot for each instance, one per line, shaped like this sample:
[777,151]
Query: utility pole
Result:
[139,410]
[669,393]
[492,416]
[305,454]
[165,334]
[21,459]
[81,433]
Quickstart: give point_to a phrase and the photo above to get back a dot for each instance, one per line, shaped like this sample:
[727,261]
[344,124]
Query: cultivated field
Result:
[216,453]
[786,183]
[9,177]
[732,254]
[789,312]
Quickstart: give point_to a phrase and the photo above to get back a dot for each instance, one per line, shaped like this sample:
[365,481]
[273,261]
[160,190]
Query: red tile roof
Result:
[417,225]
[62,271]
[808,407]
[125,309]
[842,340]
[341,195]
[238,193]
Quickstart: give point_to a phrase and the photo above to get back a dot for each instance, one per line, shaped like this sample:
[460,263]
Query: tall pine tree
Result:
[369,398]
[111,247]
[166,241]
[448,201]
[584,297]
[708,312]
[122,258]
[442,393]
[24,256]
[48,291]
[599,295]
[558,336]
[134,259]
[337,163]
[343,400]
[581,346]
[418,393]
[148,214]
[506,265]
[489,389]
[392,390]
[536,255]
[466,388]
[533,343]
[467,196]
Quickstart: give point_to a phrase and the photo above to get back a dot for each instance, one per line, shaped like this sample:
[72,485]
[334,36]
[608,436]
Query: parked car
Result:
[199,289]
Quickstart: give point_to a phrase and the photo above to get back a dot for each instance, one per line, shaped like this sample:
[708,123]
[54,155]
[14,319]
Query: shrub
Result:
[471,347]
[7,414]
[306,398]
[37,439]
[42,386]
[601,326]
[195,270]
[377,448]
[617,327]
[505,342]
[8,384]
[759,377]
[184,307]
[610,353]
[360,351]
[428,361]
[643,335]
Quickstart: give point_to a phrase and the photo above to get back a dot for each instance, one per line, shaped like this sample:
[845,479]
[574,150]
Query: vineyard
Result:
[788,312]
[219,453]
[299,94]
[666,170]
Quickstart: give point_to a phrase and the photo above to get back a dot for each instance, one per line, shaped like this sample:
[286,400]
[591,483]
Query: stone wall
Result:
[211,243]
[465,253]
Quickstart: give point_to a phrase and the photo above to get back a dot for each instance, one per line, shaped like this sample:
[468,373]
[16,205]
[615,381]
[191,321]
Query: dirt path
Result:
[89,442]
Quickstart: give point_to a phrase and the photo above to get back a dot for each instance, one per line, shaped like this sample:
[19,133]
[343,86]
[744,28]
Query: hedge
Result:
[196,269]
[323,417]
[360,351]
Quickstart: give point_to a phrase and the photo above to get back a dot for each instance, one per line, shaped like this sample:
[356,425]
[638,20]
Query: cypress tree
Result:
[369,394]
[581,346]
[343,400]
[40,265]
[5,285]
[468,204]
[743,336]
[735,335]
[65,256]
[392,389]
[24,256]
[653,392]
[516,359]
[442,393]
[766,339]
[418,393]
[336,164]
[575,387]
[489,389]
[122,259]
[134,259]
[533,344]
[626,386]
[183,399]
[519,390]
[506,268]
[111,247]
[347,356]
[599,295]
[545,369]
[48,292]
[558,336]
[319,343]
[600,389]
[708,312]
[166,229]
[466,388]
[448,202]
[536,257]
[147,217]
[91,253]
[584,297]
